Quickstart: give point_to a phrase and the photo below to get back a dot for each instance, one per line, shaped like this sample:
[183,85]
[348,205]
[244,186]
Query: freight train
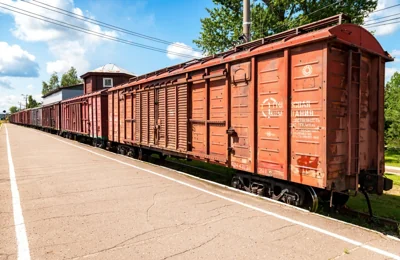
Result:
[299,115]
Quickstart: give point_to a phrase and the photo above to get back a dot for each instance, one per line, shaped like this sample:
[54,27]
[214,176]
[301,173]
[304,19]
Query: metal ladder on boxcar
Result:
[354,104]
[354,119]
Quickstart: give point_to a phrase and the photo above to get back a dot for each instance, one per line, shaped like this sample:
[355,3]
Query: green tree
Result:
[53,84]
[32,102]
[222,29]
[392,111]
[13,109]
[70,78]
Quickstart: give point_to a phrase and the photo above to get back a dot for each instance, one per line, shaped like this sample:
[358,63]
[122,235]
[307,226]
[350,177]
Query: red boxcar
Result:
[304,106]
[86,116]
[26,117]
[51,117]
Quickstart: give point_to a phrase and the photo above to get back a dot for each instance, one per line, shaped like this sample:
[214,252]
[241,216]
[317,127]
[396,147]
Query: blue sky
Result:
[30,49]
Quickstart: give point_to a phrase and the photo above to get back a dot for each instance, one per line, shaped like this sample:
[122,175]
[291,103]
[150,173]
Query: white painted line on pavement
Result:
[20,231]
[317,229]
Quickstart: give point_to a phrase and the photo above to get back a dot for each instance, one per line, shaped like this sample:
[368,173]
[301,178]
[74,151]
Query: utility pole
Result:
[246,20]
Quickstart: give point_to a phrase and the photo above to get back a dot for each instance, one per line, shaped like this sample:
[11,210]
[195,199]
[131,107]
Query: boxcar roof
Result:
[347,33]
[98,92]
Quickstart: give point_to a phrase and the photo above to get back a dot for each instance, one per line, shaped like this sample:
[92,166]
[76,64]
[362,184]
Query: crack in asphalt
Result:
[280,228]
[220,207]
[75,215]
[206,202]
[121,244]
[73,203]
[192,248]
[153,203]
[85,191]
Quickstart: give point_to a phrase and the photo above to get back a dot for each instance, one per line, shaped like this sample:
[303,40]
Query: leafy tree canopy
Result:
[67,79]
[13,109]
[392,111]
[31,102]
[70,78]
[53,84]
[222,29]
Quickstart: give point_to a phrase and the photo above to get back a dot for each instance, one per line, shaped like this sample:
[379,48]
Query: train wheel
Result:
[310,200]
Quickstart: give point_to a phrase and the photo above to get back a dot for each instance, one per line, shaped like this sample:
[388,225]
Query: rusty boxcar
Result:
[304,107]
[86,116]
[36,117]
[51,120]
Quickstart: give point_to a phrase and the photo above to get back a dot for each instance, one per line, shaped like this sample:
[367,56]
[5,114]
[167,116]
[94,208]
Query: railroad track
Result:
[375,220]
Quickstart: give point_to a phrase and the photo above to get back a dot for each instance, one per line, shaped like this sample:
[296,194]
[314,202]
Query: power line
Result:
[384,17]
[334,3]
[385,8]
[282,25]
[377,25]
[87,31]
[107,25]
[368,24]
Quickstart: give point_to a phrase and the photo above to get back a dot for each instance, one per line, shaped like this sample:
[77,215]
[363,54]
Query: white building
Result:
[62,93]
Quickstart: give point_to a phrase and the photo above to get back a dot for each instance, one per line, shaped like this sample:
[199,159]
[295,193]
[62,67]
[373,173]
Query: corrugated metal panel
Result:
[161,116]
[171,117]
[115,115]
[308,123]
[138,117]
[151,117]
[144,117]
[182,117]
[110,116]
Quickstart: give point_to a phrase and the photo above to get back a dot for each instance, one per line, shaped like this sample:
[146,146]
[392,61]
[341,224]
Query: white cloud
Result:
[8,101]
[389,72]
[16,62]
[180,48]
[396,55]
[30,87]
[395,52]
[59,66]
[69,47]
[38,97]
[4,83]
[387,28]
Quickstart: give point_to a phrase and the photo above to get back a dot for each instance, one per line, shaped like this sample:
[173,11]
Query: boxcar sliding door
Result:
[241,131]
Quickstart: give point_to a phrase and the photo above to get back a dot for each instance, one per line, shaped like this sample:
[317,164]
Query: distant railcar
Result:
[86,117]
[51,117]
[36,117]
